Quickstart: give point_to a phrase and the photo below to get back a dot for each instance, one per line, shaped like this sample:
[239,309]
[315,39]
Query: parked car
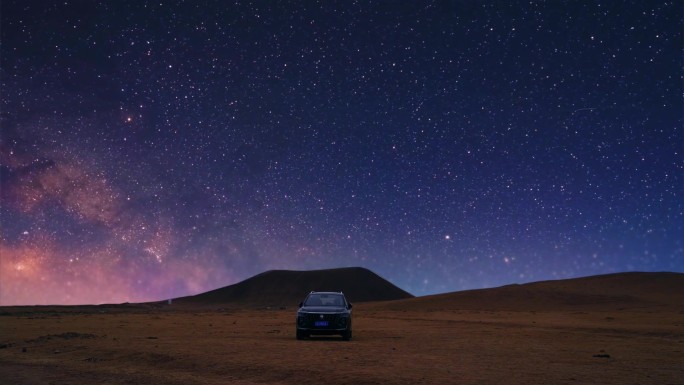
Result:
[324,313]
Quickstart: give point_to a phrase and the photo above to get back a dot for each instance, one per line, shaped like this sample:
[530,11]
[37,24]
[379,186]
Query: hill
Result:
[287,288]
[608,292]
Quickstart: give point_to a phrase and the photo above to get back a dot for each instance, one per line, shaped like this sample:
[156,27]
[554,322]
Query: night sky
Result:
[151,150]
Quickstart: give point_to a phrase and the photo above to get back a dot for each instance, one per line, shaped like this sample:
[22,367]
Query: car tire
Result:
[347,335]
[300,335]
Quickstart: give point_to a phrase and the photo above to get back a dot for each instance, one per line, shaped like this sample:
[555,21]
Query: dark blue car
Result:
[324,313]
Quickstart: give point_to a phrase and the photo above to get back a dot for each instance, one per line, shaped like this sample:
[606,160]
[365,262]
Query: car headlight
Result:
[301,318]
[342,320]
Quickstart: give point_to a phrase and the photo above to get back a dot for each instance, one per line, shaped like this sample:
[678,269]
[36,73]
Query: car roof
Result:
[327,292]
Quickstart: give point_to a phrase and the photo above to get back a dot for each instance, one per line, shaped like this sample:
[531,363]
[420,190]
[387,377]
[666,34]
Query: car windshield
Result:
[325,300]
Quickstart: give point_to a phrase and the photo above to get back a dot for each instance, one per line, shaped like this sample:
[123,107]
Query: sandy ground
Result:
[169,346]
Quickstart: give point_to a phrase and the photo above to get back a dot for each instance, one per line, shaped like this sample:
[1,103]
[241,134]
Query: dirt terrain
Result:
[626,340]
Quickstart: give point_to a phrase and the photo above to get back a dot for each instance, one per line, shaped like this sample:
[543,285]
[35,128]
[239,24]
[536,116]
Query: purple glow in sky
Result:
[158,149]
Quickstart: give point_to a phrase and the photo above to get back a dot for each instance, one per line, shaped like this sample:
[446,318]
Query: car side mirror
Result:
[301,304]
[349,306]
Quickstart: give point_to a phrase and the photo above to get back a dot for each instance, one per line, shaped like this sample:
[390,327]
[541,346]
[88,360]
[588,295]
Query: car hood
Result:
[322,309]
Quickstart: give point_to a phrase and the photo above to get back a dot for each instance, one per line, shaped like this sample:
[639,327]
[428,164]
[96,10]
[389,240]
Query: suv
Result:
[324,313]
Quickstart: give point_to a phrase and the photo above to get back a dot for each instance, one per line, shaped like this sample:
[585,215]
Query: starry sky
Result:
[151,150]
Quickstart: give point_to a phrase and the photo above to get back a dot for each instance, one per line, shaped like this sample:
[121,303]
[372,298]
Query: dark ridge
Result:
[612,291]
[279,288]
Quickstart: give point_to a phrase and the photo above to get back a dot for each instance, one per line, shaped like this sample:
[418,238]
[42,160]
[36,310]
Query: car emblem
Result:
[321,316]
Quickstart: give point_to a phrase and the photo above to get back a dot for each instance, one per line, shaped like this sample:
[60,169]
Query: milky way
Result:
[156,149]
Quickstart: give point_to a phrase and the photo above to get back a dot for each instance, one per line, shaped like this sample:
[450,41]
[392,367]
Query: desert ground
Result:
[202,345]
